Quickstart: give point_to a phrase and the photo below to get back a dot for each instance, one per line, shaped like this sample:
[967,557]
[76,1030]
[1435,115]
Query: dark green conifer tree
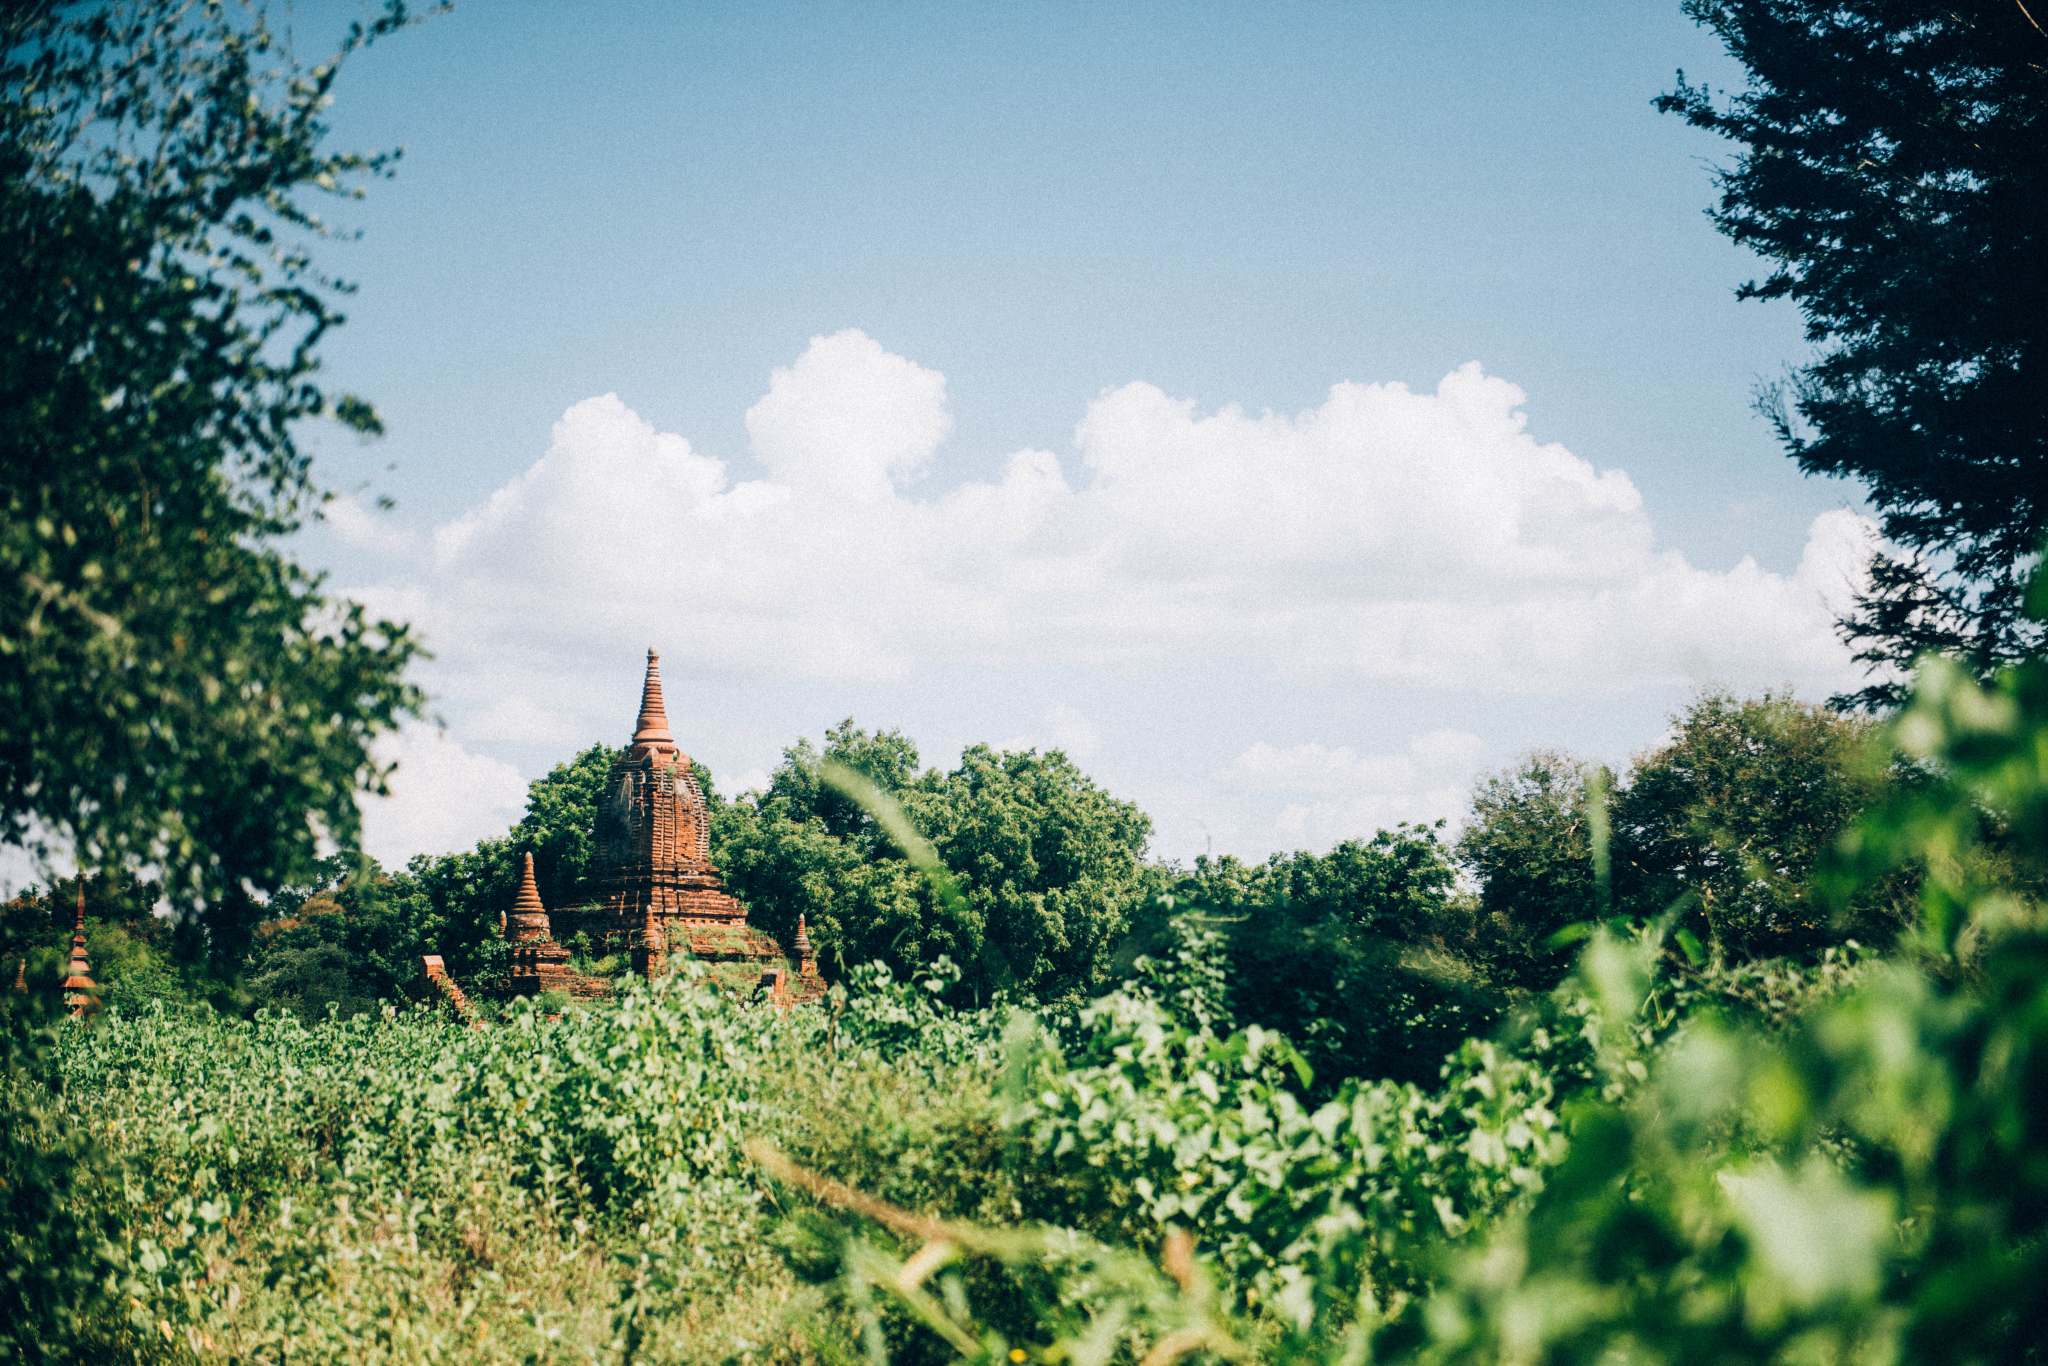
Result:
[1892,173]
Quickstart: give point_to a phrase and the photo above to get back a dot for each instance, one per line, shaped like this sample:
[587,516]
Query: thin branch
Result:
[846,1197]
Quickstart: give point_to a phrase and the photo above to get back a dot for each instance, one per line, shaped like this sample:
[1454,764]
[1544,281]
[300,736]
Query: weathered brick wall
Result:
[653,882]
[436,987]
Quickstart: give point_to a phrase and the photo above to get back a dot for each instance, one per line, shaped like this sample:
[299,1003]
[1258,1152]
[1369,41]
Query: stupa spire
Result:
[539,964]
[653,728]
[529,917]
[78,984]
[807,961]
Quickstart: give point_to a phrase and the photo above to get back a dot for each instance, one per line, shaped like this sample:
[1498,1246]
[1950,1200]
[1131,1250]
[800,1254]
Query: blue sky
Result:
[950,234]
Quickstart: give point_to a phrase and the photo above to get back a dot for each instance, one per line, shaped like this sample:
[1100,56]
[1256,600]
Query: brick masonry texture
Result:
[651,892]
[651,882]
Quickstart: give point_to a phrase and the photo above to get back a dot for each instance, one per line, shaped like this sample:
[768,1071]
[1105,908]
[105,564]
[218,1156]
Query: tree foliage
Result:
[1353,955]
[801,849]
[1050,865]
[561,810]
[348,939]
[1891,173]
[1872,1182]
[1529,844]
[860,901]
[887,758]
[1735,814]
[1723,826]
[173,689]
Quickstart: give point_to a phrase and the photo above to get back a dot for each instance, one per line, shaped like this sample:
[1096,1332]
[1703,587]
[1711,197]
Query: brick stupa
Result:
[80,991]
[650,893]
[538,963]
[651,889]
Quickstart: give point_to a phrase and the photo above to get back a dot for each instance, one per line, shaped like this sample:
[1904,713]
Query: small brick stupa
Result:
[806,958]
[538,963]
[79,988]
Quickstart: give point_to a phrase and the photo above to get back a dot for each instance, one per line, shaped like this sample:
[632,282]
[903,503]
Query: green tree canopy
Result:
[1529,845]
[1726,823]
[888,759]
[1351,954]
[350,937]
[801,849]
[1892,174]
[1050,865]
[1738,810]
[174,691]
[561,810]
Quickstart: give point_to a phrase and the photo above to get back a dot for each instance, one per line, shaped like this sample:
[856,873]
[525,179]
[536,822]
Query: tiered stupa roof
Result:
[79,988]
[539,964]
[529,922]
[807,961]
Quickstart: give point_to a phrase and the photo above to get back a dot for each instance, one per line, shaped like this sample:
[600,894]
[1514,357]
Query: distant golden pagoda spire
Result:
[79,986]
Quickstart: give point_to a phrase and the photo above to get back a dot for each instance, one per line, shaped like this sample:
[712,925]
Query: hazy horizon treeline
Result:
[1376,957]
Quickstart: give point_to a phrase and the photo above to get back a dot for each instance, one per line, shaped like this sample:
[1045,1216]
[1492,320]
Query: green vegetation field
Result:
[1739,1056]
[1678,1153]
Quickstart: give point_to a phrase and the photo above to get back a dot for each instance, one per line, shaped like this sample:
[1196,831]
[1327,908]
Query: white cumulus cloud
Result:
[849,419]
[1343,794]
[1065,728]
[1386,535]
[443,798]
